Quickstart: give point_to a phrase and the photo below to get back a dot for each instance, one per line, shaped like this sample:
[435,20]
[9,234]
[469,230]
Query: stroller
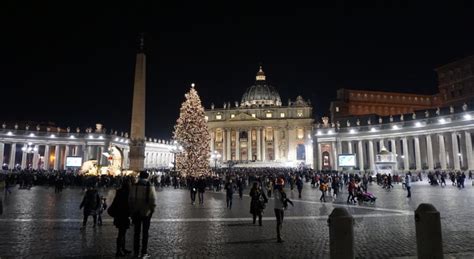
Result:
[363,196]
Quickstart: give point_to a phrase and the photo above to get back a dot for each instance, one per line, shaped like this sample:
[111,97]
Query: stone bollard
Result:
[341,234]
[429,243]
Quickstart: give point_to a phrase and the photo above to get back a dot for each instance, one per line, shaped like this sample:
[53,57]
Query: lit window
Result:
[282,115]
[206,118]
[232,115]
[218,117]
[299,113]
[300,133]
[253,115]
[268,115]
[337,108]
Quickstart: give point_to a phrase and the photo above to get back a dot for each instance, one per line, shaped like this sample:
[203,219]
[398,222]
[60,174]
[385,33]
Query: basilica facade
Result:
[260,130]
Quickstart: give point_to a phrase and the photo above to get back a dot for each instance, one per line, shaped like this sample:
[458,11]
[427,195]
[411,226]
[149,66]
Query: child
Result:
[102,207]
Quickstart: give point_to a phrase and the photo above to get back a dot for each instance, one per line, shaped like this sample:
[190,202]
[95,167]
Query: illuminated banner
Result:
[73,161]
[347,160]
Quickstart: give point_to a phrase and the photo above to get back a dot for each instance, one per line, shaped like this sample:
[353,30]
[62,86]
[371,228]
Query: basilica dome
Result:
[261,94]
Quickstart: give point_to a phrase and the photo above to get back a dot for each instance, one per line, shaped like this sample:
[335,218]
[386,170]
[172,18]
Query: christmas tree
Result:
[192,134]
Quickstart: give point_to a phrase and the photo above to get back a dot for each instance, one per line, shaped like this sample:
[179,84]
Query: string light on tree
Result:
[192,134]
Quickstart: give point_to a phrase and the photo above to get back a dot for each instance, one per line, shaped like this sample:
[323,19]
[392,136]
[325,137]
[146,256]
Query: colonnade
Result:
[158,159]
[450,150]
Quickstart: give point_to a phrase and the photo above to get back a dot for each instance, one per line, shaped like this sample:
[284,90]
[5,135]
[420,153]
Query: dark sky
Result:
[73,64]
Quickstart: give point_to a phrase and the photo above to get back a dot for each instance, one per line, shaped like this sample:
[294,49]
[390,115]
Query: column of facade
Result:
[338,148]
[334,155]
[249,145]
[213,138]
[360,154]
[23,159]
[35,158]
[320,157]
[259,139]
[455,148]
[2,150]
[85,153]
[442,152]
[276,148]
[371,155]
[228,144]
[264,149]
[237,144]
[470,159]
[46,158]
[381,144]
[56,157]
[393,149]
[406,164]
[349,147]
[125,159]
[417,154]
[429,151]
[11,164]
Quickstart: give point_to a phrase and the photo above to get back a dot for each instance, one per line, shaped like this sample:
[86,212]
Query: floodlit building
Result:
[260,130]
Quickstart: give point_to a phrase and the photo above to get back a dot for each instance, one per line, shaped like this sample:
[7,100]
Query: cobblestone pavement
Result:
[38,223]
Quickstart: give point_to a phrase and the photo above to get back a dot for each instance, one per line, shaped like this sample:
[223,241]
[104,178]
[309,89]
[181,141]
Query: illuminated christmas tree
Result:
[192,134]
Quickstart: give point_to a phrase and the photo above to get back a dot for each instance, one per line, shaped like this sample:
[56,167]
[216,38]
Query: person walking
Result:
[240,187]
[90,203]
[257,203]
[142,202]
[323,187]
[408,184]
[280,204]
[192,185]
[229,189]
[120,211]
[299,186]
[201,187]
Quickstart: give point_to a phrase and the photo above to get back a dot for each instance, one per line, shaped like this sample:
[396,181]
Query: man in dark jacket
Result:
[229,188]
[142,202]
[201,187]
[120,211]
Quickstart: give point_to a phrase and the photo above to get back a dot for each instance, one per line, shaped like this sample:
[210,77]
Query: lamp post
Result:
[215,156]
[177,148]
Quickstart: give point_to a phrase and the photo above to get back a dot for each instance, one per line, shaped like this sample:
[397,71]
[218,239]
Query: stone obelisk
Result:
[137,136]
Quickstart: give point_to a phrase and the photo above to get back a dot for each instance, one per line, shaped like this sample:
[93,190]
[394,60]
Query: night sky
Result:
[74,64]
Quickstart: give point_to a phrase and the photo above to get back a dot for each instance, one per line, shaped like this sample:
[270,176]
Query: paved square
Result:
[39,223]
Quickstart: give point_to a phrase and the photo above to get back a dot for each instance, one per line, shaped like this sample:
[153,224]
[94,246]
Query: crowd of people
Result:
[136,199]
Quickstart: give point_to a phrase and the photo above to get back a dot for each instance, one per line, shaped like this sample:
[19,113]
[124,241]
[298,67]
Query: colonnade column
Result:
[360,155]
[2,149]
[11,164]
[393,146]
[46,158]
[393,149]
[470,162]
[237,144]
[349,147]
[276,149]
[35,158]
[442,152]
[228,144]
[249,145]
[429,151]
[320,157]
[23,159]
[455,147]
[338,148]
[406,163]
[259,139]
[56,157]
[264,151]
[371,156]
[66,154]
[417,153]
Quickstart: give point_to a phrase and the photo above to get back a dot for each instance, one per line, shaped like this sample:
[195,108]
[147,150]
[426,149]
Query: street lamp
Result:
[175,149]
[215,156]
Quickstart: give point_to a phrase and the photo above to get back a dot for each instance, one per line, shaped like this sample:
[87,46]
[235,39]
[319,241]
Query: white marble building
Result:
[260,131]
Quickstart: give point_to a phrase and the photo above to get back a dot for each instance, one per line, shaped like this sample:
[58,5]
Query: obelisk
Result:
[137,136]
